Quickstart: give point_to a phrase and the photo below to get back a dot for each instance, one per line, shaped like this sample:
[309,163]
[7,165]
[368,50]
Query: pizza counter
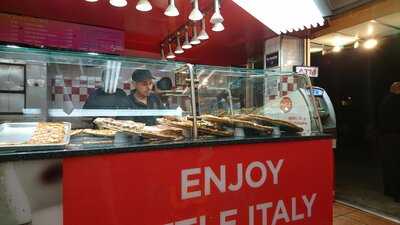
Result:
[229,145]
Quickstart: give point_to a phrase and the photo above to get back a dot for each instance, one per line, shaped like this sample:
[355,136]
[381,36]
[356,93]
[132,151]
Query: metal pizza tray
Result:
[13,136]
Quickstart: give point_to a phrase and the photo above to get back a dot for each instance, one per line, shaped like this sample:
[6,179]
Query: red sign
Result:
[41,32]
[252,184]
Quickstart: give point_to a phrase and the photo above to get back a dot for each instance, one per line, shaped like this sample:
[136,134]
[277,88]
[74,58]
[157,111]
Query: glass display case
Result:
[112,100]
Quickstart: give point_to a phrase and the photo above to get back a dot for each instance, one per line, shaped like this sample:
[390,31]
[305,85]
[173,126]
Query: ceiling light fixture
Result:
[337,48]
[143,5]
[284,15]
[195,15]
[171,9]
[203,34]
[170,53]
[195,40]
[356,44]
[370,43]
[216,17]
[91,0]
[218,27]
[186,43]
[118,3]
[178,49]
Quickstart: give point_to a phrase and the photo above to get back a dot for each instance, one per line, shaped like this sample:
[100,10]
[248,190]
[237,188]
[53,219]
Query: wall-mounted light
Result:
[370,43]
[216,17]
[195,40]
[186,43]
[170,53]
[218,27]
[203,33]
[195,15]
[171,9]
[178,49]
[143,5]
[118,3]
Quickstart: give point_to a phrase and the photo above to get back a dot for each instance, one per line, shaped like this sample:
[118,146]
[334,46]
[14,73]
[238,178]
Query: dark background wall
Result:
[357,80]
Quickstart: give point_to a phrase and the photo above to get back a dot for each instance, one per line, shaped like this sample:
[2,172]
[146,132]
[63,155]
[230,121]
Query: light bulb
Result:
[370,43]
[143,5]
[170,53]
[203,34]
[186,43]
[356,44]
[218,27]
[195,40]
[178,49]
[118,3]
[337,48]
[216,17]
[171,9]
[196,15]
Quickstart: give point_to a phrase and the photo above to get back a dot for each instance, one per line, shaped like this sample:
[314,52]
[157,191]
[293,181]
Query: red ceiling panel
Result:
[241,38]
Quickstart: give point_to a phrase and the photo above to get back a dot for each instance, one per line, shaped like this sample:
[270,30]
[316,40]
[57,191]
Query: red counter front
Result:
[253,184]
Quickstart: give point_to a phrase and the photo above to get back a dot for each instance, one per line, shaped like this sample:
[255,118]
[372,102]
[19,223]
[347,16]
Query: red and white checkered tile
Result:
[77,90]
[286,84]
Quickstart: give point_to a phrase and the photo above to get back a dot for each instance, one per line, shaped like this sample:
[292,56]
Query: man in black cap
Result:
[99,99]
[142,97]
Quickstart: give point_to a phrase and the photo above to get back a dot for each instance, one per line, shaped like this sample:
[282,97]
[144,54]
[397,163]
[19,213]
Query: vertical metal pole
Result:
[307,62]
[193,98]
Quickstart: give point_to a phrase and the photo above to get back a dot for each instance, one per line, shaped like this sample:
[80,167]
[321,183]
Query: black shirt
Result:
[102,100]
[153,102]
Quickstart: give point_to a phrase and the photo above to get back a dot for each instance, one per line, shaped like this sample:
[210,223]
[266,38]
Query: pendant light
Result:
[171,9]
[162,54]
[195,15]
[216,17]
[118,3]
[203,34]
[186,43]
[195,40]
[218,27]
[143,5]
[170,53]
[178,49]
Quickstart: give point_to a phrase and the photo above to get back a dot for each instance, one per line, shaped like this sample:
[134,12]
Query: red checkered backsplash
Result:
[77,89]
[286,84]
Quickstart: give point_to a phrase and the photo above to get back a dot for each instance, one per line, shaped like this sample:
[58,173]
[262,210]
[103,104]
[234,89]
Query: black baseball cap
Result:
[141,75]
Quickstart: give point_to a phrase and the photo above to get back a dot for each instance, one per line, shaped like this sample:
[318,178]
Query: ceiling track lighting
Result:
[118,3]
[195,40]
[195,15]
[178,49]
[203,34]
[186,43]
[143,6]
[170,53]
[218,27]
[171,9]
[216,17]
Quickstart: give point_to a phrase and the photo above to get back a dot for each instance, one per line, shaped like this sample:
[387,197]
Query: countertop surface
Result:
[94,146]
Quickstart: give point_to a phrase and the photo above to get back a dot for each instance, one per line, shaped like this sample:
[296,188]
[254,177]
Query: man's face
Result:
[144,88]
[395,88]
